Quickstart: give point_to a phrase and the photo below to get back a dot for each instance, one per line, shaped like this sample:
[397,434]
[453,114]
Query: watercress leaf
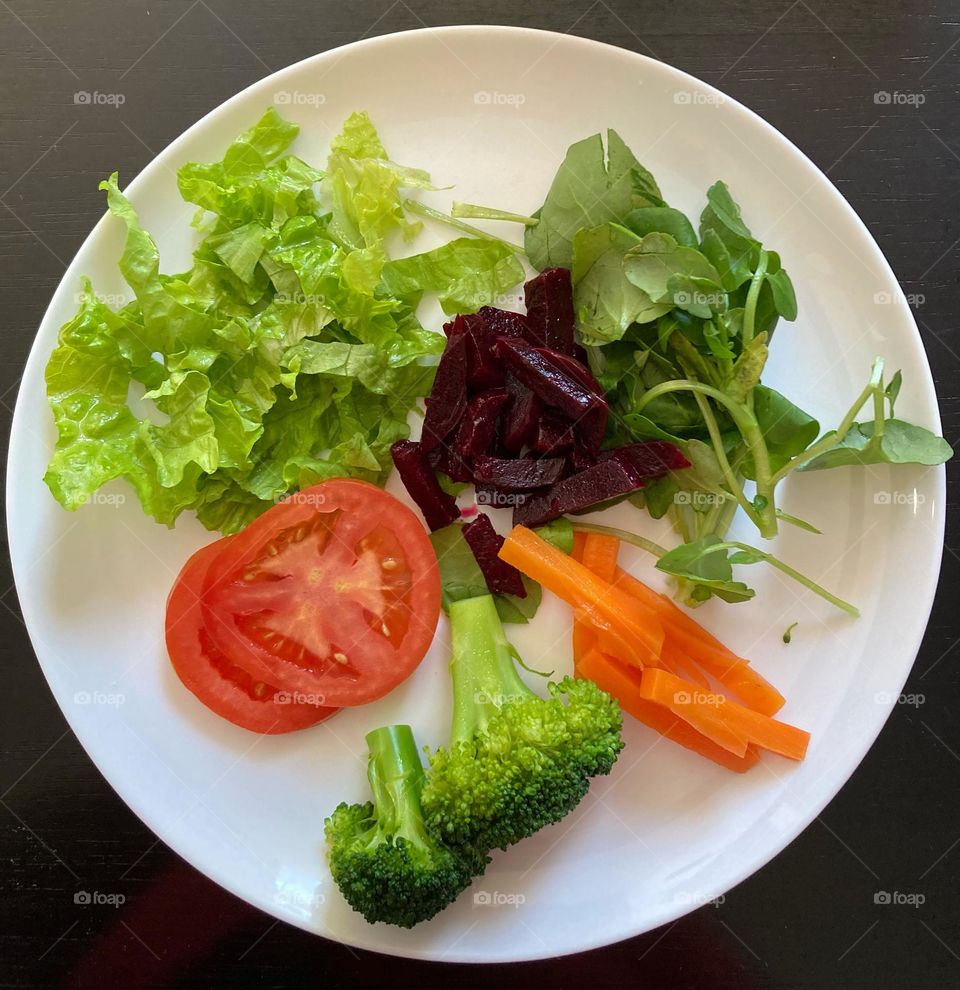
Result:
[591,187]
[662,219]
[787,429]
[606,303]
[900,443]
[650,264]
[710,571]
[701,297]
[725,239]
[510,608]
[748,368]
[798,522]
[717,341]
[893,389]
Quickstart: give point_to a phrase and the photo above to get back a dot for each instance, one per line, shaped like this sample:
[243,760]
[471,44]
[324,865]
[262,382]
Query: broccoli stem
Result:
[482,667]
[396,779]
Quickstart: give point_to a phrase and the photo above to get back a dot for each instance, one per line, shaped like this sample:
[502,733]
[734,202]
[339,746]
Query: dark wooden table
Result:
[813,69]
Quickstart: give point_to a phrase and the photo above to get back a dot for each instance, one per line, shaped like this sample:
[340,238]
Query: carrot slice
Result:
[581,588]
[674,659]
[600,555]
[720,719]
[688,636]
[579,541]
[623,683]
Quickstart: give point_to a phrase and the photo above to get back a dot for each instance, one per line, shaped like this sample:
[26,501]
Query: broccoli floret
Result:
[516,762]
[383,858]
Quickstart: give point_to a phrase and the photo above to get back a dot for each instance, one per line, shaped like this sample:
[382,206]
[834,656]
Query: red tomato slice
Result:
[212,676]
[334,592]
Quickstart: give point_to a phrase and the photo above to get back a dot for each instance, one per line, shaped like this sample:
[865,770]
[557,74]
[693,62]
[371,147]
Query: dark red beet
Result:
[574,369]
[549,301]
[448,397]
[518,475]
[449,461]
[554,435]
[533,368]
[520,418]
[502,578]
[505,323]
[606,480]
[653,458]
[438,508]
[479,428]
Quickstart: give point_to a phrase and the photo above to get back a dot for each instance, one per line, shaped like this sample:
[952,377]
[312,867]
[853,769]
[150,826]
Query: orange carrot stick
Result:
[600,555]
[623,683]
[720,719]
[580,587]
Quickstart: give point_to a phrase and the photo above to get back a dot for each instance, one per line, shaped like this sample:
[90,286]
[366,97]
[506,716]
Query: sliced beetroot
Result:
[534,368]
[519,475]
[478,431]
[449,461]
[439,509]
[521,417]
[554,435]
[448,397]
[505,323]
[573,368]
[652,458]
[502,578]
[549,301]
[598,483]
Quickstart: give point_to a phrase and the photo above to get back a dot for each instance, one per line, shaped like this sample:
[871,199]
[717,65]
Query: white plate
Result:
[492,110]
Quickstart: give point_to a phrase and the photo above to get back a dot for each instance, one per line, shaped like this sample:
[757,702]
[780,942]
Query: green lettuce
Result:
[289,353]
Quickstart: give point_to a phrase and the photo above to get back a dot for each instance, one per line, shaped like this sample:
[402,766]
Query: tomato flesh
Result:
[210,674]
[334,593]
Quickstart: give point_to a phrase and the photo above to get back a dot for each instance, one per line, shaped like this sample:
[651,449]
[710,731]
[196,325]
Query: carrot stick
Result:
[672,658]
[623,683]
[600,555]
[577,585]
[720,719]
[579,541]
[692,639]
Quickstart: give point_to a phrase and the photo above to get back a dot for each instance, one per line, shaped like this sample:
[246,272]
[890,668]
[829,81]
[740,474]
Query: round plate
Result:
[492,111]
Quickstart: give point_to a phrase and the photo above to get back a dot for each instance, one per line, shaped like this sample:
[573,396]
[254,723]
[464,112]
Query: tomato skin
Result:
[211,676]
[340,570]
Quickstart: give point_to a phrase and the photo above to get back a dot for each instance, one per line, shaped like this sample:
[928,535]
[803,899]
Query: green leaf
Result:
[725,239]
[892,391]
[709,570]
[787,430]
[671,273]
[664,220]
[465,273]
[606,303]
[461,577]
[589,189]
[559,533]
[900,443]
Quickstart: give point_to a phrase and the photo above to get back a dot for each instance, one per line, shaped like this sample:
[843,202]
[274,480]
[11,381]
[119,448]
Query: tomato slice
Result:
[334,592]
[212,676]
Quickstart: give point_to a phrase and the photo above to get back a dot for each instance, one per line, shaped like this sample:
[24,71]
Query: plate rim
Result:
[866,739]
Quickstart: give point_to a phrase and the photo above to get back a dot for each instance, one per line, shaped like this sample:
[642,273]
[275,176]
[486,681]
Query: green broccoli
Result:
[383,858]
[516,762]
